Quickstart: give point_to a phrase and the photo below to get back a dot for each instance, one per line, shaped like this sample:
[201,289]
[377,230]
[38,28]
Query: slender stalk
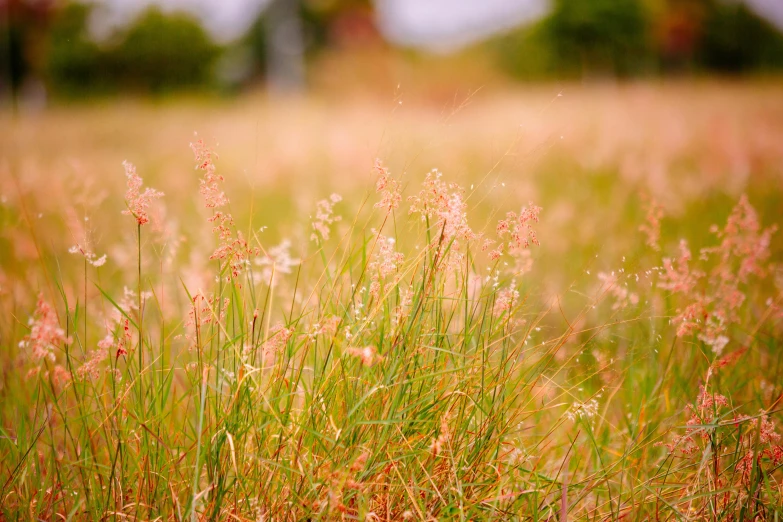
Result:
[141,319]
[196,466]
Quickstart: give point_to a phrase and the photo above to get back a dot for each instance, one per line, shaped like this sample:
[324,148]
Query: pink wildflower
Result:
[324,217]
[45,332]
[277,260]
[652,225]
[742,252]
[204,311]
[704,411]
[507,299]
[441,441]
[401,310]
[388,187]
[209,187]
[768,445]
[678,276]
[706,401]
[445,203]
[124,342]
[138,202]
[107,342]
[61,376]
[384,263]
[278,338]
[517,230]
[328,327]
[91,367]
[623,297]
[368,355]
[443,207]
[742,242]
[233,248]
[89,256]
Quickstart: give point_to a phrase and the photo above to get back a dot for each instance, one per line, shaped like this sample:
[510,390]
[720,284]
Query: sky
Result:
[438,25]
[772,9]
[224,19]
[444,25]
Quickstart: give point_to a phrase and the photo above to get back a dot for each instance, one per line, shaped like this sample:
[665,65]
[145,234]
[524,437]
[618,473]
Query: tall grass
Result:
[405,367]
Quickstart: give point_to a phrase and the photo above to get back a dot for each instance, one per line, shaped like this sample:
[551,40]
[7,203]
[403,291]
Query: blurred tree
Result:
[628,37]
[600,36]
[23,26]
[75,63]
[678,32]
[285,46]
[581,38]
[320,24]
[737,40]
[255,40]
[162,52]
[527,53]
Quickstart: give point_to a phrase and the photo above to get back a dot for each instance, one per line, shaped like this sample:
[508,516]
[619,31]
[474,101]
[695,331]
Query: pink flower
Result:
[446,204]
[123,344]
[678,276]
[441,441]
[45,332]
[61,376]
[507,299]
[91,367]
[610,283]
[278,338]
[388,187]
[743,252]
[138,202]
[518,229]
[233,248]
[368,355]
[210,189]
[384,263]
[324,217]
[90,256]
[652,226]
[443,207]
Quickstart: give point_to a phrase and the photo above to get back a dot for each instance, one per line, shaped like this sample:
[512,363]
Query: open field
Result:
[293,331]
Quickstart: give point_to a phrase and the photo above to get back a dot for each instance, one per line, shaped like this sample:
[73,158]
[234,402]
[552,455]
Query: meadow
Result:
[553,302]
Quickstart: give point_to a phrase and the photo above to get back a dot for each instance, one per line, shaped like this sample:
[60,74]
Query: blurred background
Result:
[582,106]
[59,50]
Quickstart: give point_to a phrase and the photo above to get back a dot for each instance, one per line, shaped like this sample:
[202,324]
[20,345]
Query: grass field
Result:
[577,316]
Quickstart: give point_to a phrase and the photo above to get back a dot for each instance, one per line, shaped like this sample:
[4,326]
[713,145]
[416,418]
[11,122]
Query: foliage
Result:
[165,51]
[316,19]
[159,52]
[604,36]
[737,40]
[23,27]
[636,37]
[75,63]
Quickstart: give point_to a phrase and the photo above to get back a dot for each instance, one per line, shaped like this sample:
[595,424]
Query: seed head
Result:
[136,201]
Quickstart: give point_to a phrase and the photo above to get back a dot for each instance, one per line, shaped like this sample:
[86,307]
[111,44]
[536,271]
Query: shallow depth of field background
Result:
[582,109]
[590,110]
